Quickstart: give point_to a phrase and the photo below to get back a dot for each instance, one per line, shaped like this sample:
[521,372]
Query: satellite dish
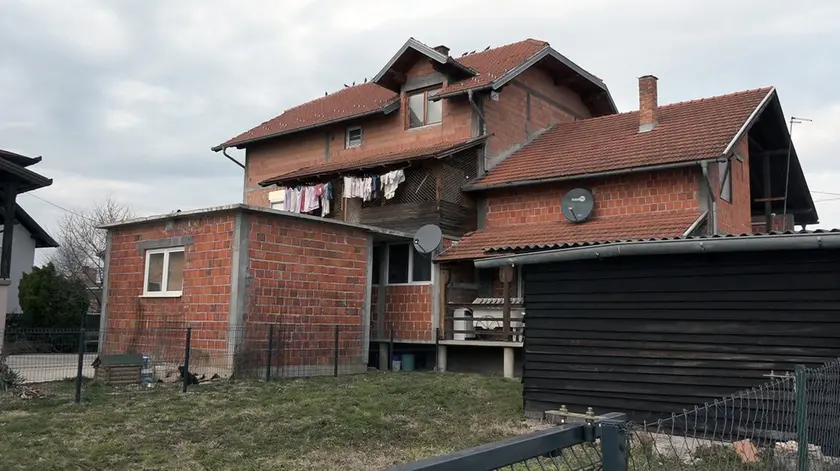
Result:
[428,238]
[578,204]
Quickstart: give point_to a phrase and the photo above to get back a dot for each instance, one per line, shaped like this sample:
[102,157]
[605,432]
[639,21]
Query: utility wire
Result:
[59,207]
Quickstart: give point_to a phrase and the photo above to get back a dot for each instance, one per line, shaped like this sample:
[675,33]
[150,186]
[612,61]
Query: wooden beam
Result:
[506,276]
[768,206]
[444,279]
[9,196]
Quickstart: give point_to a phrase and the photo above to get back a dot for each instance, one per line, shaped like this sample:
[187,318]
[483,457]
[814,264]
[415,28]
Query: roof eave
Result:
[385,109]
[434,155]
[753,117]
[591,175]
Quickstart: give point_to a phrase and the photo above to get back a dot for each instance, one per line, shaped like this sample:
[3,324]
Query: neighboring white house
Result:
[28,236]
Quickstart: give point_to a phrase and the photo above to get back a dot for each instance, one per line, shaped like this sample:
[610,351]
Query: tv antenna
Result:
[578,204]
[793,120]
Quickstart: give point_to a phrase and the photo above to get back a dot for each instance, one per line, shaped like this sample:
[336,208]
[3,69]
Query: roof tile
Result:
[686,131]
[437,150]
[486,242]
[370,97]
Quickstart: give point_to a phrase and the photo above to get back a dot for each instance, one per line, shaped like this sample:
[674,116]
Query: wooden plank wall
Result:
[655,335]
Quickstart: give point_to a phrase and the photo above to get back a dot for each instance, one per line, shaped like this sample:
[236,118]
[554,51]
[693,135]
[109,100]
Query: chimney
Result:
[442,49]
[648,103]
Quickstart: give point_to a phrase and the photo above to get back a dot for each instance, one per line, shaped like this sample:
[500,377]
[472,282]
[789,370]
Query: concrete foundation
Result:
[507,362]
[441,358]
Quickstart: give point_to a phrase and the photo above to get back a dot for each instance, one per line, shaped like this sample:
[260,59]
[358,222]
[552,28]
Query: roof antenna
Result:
[793,120]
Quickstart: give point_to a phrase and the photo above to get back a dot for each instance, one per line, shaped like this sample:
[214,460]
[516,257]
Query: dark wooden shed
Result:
[653,327]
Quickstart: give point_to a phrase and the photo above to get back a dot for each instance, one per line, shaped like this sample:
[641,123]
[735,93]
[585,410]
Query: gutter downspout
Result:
[704,166]
[224,151]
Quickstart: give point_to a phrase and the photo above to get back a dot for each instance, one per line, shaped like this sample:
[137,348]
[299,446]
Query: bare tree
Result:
[81,253]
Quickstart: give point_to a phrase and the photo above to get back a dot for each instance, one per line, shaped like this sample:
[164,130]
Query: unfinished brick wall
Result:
[530,103]
[156,326]
[666,190]
[735,217]
[408,311]
[306,277]
[380,134]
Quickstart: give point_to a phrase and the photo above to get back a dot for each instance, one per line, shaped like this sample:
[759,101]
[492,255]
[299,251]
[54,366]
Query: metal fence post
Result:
[80,365]
[437,348]
[391,350]
[187,359]
[270,351]
[801,418]
[335,354]
[614,443]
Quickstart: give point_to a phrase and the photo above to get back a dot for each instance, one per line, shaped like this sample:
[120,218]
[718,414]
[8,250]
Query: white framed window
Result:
[164,273]
[422,110]
[353,137]
[405,265]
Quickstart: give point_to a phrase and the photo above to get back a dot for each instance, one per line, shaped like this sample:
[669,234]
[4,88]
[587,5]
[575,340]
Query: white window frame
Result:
[410,267]
[347,144]
[165,275]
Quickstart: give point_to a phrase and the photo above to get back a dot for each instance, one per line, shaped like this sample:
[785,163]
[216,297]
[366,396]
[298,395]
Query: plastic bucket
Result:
[408,362]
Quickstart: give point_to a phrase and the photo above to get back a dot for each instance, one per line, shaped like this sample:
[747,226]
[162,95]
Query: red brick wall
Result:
[735,217]
[310,277]
[408,311]
[156,326]
[380,134]
[507,119]
[666,190]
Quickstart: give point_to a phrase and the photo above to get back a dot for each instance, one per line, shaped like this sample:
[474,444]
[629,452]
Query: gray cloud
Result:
[128,97]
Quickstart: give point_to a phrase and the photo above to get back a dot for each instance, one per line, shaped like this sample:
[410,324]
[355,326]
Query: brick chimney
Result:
[648,103]
[442,49]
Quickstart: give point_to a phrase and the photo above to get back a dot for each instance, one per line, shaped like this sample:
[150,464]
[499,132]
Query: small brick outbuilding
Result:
[229,272]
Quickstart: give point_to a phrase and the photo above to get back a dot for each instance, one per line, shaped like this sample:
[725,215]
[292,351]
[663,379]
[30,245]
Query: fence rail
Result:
[141,358]
[757,429]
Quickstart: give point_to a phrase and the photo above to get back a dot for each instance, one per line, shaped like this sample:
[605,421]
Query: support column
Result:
[508,362]
[9,196]
[441,358]
[383,356]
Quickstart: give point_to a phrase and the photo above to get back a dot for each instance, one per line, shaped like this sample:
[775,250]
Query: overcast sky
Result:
[128,97]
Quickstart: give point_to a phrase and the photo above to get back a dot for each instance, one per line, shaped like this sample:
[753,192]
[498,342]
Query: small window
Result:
[406,265]
[422,111]
[164,275]
[354,137]
[725,174]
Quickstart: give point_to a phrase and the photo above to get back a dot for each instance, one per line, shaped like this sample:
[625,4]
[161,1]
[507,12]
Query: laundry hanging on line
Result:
[306,199]
[370,188]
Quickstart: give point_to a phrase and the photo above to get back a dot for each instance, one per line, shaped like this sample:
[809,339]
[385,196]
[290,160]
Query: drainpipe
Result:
[704,165]
[482,123]
[224,151]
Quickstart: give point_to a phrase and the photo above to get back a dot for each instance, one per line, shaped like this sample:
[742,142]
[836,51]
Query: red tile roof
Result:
[369,98]
[439,150]
[494,63]
[492,240]
[686,131]
[347,103]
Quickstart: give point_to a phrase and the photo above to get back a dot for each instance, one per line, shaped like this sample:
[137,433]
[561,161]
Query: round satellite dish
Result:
[578,205]
[427,239]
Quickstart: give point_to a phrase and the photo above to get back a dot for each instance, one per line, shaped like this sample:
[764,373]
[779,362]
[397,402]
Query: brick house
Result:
[486,146]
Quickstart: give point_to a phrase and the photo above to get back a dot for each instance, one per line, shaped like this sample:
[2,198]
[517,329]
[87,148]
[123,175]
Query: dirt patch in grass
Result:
[362,422]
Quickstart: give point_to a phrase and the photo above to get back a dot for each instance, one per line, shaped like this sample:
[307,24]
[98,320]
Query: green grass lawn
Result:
[368,421]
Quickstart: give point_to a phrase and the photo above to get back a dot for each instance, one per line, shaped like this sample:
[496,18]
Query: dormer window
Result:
[353,137]
[422,111]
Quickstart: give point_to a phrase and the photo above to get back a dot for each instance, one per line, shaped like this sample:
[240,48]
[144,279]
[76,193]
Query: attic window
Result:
[353,137]
[422,111]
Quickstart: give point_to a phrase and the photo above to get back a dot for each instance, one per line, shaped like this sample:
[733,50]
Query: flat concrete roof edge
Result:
[195,213]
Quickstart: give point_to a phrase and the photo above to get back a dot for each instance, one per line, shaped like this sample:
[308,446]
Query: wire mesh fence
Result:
[757,429]
[121,361]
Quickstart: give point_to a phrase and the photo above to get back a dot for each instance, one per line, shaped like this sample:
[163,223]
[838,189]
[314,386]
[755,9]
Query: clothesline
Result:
[371,188]
[309,198]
